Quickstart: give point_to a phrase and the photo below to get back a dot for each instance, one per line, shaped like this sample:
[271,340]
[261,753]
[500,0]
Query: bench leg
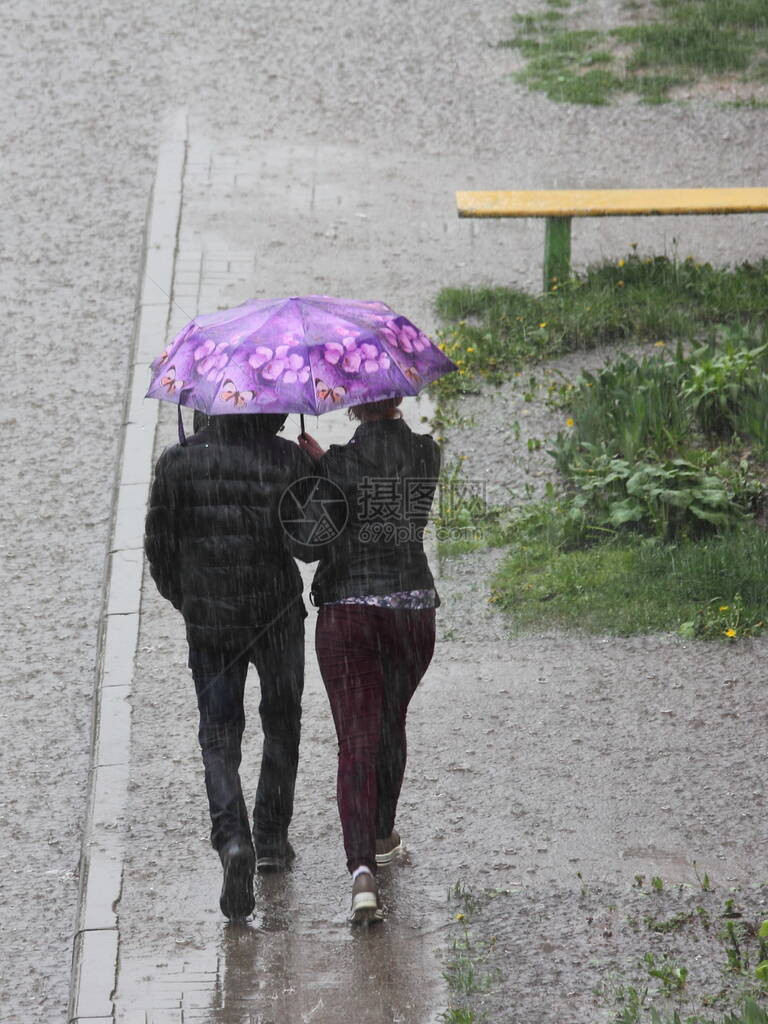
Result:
[557,250]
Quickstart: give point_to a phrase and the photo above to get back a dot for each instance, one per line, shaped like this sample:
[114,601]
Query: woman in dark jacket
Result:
[376,625]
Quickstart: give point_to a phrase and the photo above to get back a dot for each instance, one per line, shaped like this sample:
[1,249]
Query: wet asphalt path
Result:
[397,105]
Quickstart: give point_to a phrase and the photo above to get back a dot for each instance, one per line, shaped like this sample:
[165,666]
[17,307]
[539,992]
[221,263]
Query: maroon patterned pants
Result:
[371,660]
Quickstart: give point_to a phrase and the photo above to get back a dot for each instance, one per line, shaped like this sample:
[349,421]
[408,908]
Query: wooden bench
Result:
[559,206]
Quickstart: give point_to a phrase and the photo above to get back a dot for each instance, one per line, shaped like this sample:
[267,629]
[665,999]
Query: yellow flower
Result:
[621,284]
[569,422]
[723,608]
[621,263]
[543,323]
[459,917]
[471,348]
[659,344]
[730,632]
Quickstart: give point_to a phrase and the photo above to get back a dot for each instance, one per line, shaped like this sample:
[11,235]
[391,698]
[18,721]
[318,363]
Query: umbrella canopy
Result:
[307,354]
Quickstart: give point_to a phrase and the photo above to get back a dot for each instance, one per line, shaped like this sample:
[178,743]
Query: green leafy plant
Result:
[750,1014]
[722,618]
[720,381]
[671,976]
[672,498]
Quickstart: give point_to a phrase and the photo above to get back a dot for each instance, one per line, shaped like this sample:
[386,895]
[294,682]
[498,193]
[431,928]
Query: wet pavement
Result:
[339,135]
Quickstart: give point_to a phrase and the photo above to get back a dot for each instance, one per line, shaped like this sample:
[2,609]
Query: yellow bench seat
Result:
[558,206]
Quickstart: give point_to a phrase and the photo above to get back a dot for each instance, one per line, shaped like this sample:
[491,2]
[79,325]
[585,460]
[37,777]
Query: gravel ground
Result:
[85,89]
[587,946]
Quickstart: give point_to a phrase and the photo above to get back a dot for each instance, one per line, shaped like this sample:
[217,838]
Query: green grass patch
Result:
[688,41]
[630,585]
[664,459]
[496,330]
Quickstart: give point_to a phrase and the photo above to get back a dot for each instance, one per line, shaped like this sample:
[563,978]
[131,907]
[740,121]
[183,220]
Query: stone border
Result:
[96,940]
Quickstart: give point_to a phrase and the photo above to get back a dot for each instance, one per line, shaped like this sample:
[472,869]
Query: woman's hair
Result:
[376,408]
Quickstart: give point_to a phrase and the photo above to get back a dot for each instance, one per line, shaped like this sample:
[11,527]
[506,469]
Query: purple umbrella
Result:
[308,355]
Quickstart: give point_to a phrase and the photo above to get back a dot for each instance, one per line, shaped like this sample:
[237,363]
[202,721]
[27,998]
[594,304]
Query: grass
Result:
[687,41]
[633,586]
[496,330]
[664,460]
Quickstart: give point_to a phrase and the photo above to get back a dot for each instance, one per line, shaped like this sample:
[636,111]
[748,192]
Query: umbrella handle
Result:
[301,417]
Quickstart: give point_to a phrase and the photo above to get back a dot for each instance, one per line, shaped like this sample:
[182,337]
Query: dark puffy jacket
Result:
[388,476]
[213,538]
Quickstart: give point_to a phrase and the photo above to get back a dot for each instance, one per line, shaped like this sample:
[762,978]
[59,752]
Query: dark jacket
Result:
[213,539]
[388,477]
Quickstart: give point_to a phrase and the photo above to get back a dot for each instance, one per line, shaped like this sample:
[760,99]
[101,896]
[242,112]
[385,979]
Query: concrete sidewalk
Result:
[512,777]
[260,224]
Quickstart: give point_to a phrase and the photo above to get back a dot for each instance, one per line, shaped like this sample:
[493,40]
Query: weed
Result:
[672,924]
[466,970]
[703,916]
[657,884]
[703,882]
[672,977]
[722,618]
[737,960]
[459,1016]
[633,1001]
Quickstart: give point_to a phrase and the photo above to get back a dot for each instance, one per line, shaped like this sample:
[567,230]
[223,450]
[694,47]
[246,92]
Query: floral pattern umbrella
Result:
[307,354]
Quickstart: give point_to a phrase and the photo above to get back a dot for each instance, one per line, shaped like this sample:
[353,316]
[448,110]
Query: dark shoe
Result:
[278,857]
[237,860]
[365,900]
[387,849]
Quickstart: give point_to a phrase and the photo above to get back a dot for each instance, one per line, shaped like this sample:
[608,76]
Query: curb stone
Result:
[96,941]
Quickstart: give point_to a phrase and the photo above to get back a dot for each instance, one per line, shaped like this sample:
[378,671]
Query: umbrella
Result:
[308,354]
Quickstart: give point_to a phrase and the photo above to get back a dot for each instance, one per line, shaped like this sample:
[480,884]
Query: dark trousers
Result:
[371,660]
[219,675]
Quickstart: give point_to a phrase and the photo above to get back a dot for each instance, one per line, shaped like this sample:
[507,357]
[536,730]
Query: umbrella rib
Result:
[359,321]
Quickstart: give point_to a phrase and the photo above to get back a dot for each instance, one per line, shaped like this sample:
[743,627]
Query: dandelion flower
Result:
[459,917]
[569,422]
[730,633]
[621,263]
[471,348]
[659,344]
[543,323]
[723,608]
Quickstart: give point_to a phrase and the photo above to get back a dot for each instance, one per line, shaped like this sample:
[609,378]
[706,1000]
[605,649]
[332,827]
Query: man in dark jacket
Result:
[218,553]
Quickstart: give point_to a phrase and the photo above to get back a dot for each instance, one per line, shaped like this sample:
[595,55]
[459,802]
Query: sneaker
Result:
[365,899]
[388,849]
[237,860]
[274,858]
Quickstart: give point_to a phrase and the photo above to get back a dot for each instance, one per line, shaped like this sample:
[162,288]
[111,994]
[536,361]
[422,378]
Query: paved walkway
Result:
[260,222]
[298,960]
